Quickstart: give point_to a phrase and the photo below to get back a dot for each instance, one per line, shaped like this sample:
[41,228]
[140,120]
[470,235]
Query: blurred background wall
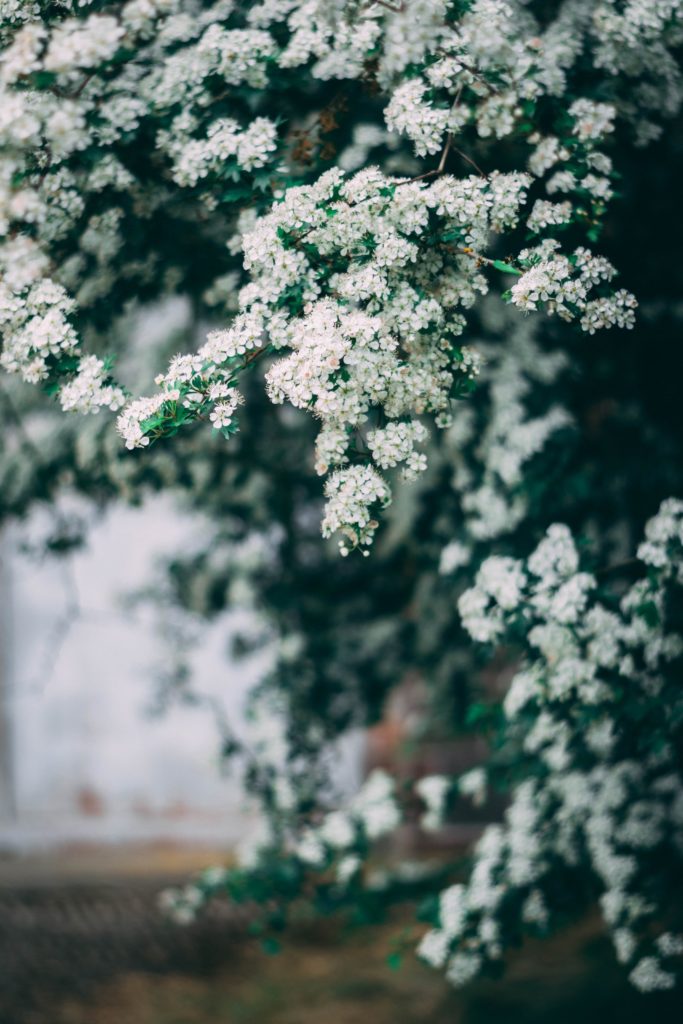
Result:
[82,755]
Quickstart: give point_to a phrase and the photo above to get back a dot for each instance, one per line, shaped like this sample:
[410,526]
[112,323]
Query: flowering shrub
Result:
[404,214]
[83,91]
[592,723]
[595,714]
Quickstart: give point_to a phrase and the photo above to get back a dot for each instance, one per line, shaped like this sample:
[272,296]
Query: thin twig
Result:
[492,91]
[470,161]
[418,177]
[435,171]
[444,155]
[82,86]
[253,356]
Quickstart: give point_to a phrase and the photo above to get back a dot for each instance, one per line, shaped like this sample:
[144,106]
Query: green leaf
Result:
[506,268]
[235,193]
[650,613]
[482,716]
[451,236]
[394,961]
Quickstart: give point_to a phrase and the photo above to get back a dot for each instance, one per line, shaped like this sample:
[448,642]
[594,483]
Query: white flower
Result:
[472,784]
[534,910]
[347,868]
[463,967]
[545,213]
[375,805]
[453,910]
[592,120]
[310,849]
[453,557]
[648,976]
[337,830]
[433,790]
[351,494]
[669,944]
[222,413]
[433,947]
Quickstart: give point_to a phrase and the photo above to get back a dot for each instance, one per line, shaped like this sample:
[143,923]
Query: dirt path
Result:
[323,978]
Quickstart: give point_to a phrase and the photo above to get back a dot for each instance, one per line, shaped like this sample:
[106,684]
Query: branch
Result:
[436,171]
[444,155]
[470,161]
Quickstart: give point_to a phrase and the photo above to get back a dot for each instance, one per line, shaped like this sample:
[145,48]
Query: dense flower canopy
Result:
[403,213]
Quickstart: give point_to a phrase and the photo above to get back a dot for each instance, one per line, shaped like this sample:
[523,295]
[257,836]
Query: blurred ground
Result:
[81,942]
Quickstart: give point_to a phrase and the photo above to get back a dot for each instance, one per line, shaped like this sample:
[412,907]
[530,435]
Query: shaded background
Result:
[105,802]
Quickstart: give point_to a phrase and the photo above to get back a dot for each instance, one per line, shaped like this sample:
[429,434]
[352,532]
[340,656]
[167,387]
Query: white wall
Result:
[83,758]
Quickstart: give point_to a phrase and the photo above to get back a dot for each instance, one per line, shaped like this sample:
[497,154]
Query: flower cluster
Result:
[352,494]
[496,65]
[107,114]
[436,791]
[36,320]
[492,441]
[337,845]
[371,814]
[226,149]
[595,779]
[563,284]
[364,279]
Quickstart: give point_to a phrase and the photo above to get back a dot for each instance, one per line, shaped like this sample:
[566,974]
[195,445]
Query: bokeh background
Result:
[110,790]
[108,795]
